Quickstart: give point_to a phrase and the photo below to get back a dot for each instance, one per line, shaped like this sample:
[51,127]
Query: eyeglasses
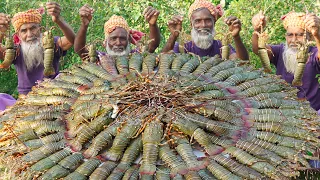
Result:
[298,35]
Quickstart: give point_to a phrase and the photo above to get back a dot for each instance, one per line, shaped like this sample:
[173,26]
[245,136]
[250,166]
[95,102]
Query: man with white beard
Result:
[28,40]
[284,56]
[203,15]
[118,35]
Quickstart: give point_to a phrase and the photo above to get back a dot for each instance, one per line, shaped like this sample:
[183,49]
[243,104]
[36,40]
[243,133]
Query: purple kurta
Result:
[28,79]
[310,88]
[6,100]
[211,51]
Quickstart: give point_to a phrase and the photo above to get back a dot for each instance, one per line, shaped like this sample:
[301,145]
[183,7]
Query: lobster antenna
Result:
[91,29]
[266,8]
[7,12]
[305,28]
[47,19]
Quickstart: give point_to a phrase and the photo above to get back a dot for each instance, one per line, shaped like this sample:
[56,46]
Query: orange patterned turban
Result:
[216,11]
[294,19]
[30,16]
[118,21]
[113,22]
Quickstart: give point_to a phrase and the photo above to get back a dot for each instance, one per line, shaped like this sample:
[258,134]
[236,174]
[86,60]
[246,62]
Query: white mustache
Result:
[32,39]
[116,48]
[204,30]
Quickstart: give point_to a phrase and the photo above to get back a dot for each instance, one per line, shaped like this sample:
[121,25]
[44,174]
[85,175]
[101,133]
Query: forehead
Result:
[119,32]
[29,25]
[202,13]
[293,29]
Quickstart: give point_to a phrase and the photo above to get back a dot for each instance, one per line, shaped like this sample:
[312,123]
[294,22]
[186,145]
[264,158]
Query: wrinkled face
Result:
[118,40]
[203,31]
[290,58]
[117,43]
[294,36]
[29,32]
[31,46]
[202,19]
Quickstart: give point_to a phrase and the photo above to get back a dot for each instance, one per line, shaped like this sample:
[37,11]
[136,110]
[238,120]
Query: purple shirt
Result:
[310,88]
[6,100]
[28,79]
[211,51]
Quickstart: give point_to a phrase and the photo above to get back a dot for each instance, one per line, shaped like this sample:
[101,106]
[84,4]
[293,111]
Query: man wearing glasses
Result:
[299,27]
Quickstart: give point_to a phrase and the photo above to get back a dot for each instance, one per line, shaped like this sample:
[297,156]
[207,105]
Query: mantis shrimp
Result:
[9,53]
[263,52]
[302,57]
[225,49]
[64,131]
[48,45]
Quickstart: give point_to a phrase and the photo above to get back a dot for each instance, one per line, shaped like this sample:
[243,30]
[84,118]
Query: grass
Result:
[9,82]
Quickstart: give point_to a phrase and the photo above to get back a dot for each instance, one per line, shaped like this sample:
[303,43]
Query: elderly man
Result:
[29,61]
[203,16]
[284,56]
[118,35]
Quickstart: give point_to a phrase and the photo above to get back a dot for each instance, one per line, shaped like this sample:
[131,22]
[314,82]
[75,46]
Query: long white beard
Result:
[202,37]
[290,58]
[111,52]
[32,53]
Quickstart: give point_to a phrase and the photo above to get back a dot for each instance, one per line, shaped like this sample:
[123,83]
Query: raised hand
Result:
[312,24]
[151,15]
[259,21]
[86,13]
[54,10]
[175,24]
[234,25]
[4,22]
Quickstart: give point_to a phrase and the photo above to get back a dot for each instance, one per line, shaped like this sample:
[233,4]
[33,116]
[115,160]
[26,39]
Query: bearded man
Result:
[203,15]
[284,56]
[28,37]
[118,35]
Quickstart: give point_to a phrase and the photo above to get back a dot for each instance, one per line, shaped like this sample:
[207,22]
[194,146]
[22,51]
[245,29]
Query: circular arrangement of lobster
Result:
[166,116]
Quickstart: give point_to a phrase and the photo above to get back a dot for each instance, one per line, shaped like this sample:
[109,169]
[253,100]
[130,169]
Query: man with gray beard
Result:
[284,56]
[118,35]
[28,41]
[203,16]
[32,51]
[290,58]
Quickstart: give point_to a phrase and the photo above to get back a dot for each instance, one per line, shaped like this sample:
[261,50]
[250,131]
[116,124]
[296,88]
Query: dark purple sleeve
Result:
[276,53]
[57,49]
[314,58]
[135,51]
[6,100]
[232,50]
[176,48]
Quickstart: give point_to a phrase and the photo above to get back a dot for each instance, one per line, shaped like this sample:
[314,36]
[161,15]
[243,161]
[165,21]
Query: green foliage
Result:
[132,11]
[9,81]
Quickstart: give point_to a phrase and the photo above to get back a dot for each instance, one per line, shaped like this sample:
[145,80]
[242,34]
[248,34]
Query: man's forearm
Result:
[80,40]
[241,50]
[66,29]
[155,37]
[317,39]
[170,43]
[254,41]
